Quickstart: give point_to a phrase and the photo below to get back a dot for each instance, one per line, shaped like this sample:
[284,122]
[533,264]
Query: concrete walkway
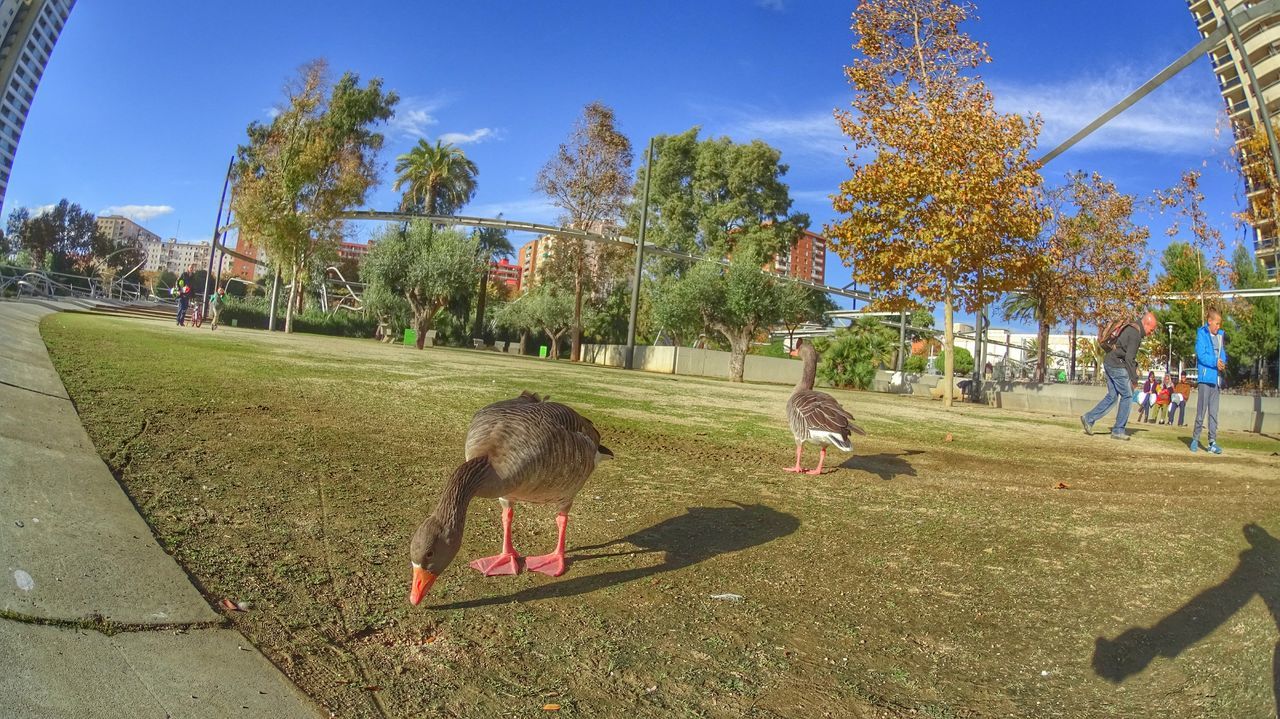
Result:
[76,555]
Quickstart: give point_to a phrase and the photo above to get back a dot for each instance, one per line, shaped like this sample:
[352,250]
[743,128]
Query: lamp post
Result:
[1169,367]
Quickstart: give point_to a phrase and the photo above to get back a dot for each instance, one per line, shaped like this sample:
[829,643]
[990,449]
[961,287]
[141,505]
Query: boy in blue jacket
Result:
[1211,360]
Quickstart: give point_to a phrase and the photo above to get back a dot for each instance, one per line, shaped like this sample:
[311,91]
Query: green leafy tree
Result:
[944,200]
[437,179]
[710,197]
[802,305]
[589,178]
[517,317]
[1183,271]
[63,239]
[426,266]
[550,309]
[315,160]
[738,302]
[1256,338]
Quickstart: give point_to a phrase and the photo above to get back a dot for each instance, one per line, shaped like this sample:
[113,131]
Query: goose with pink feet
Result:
[519,450]
[816,417]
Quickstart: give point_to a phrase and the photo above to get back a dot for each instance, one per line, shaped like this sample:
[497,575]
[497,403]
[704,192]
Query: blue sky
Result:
[143,103]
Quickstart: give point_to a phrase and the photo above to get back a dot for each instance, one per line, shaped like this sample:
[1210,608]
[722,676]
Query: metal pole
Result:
[213,246]
[1170,367]
[902,339]
[1247,13]
[629,358]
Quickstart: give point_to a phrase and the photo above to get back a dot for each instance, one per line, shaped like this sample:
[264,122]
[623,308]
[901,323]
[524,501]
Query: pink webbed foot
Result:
[821,458]
[498,565]
[552,565]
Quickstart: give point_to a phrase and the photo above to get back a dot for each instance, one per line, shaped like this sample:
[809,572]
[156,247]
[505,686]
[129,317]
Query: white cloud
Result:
[137,213]
[414,115]
[775,5]
[463,138]
[812,195]
[815,132]
[531,209]
[1182,116]
[271,112]
[42,209]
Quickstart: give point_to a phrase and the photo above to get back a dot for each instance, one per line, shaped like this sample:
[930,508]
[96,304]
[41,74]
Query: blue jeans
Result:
[1118,388]
[182,308]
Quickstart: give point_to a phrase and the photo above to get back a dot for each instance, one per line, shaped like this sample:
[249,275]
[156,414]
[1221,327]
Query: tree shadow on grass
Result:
[1258,572]
[699,534]
[884,465]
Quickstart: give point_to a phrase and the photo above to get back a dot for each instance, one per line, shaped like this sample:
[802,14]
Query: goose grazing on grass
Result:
[816,416]
[524,449]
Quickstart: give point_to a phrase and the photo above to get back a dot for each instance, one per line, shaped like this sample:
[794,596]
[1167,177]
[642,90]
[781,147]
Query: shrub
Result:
[964,361]
[851,357]
[916,364]
[251,312]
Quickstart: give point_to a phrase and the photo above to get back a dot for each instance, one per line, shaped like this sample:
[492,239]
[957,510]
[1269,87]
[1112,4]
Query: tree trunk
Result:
[738,354]
[555,344]
[1042,351]
[1071,375]
[949,364]
[288,312]
[524,339]
[478,329]
[575,350]
[421,323]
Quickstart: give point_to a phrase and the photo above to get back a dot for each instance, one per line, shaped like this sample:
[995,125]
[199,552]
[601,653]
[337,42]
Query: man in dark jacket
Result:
[1120,368]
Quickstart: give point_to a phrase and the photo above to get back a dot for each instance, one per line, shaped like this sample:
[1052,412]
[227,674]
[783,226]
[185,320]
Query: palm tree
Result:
[493,245]
[438,179]
[1032,306]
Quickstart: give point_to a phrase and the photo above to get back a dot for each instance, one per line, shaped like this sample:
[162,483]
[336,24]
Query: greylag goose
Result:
[524,449]
[816,416]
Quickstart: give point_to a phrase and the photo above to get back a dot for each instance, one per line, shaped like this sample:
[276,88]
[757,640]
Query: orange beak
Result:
[422,581]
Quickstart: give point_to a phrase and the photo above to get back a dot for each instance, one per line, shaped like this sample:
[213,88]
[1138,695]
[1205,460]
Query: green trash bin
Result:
[542,351]
[235,322]
[410,337]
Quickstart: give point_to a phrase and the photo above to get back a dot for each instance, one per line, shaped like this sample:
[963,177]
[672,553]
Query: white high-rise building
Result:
[1248,75]
[29,29]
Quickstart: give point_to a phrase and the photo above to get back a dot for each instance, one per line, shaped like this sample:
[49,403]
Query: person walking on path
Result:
[1211,360]
[185,283]
[1120,367]
[1181,395]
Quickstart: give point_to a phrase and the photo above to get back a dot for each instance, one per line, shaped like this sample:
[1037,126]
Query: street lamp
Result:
[1170,365]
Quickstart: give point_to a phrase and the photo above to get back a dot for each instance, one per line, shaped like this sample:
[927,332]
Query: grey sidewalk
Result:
[74,550]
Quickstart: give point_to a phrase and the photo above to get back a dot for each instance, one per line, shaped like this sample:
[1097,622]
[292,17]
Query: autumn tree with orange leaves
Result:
[943,203]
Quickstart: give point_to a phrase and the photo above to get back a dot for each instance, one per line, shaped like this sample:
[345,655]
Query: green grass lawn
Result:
[920,577]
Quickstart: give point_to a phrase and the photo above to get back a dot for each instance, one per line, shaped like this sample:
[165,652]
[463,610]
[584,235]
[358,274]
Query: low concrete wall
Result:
[1250,414]
[1237,412]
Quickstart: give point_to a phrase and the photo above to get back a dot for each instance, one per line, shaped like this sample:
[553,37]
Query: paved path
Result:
[76,554]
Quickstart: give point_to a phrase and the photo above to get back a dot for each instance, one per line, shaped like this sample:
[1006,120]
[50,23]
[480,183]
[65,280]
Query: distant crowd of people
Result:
[1162,400]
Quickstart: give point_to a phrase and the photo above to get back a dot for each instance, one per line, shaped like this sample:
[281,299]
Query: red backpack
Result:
[1109,333]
